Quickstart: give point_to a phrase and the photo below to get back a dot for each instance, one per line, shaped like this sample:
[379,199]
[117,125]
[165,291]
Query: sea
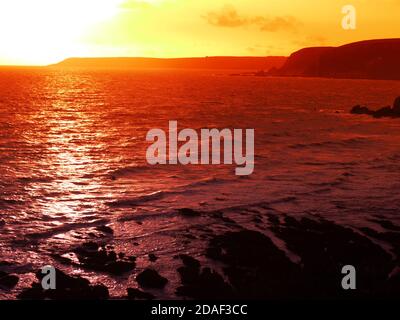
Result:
[73,158]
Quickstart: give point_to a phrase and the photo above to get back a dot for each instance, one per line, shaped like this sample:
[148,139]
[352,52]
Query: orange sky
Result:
[38,32]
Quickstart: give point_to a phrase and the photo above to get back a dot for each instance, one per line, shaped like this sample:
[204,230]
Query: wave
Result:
[131,170]
[157,195]
[329,163]
[138,200]
[5,203]
[207,181]
[351,142]
[35,179]
[65,228]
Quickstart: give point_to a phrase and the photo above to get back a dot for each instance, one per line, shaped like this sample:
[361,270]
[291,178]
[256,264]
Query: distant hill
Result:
[303,62]
[371,59]
[212,63]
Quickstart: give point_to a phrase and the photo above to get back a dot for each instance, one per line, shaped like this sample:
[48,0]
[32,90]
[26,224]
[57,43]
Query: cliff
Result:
[371,59]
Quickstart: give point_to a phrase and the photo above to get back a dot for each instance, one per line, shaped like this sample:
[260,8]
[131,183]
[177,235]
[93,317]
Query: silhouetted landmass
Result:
[227,63]
[371,59]
[384,112]
[303,62]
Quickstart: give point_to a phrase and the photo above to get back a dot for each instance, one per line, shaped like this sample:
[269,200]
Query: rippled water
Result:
[72,156]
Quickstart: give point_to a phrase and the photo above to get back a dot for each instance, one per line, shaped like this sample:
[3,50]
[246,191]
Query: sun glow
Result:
[41,32]
[45,31]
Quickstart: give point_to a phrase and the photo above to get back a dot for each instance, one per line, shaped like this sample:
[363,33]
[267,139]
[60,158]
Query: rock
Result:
[90,246]
[255,267]
[132,258]
[119,267]
[67,288]
[121,255]
[201,284]
[396,105]
[205,284]
[360,110]
[5,264]
[153,257]
[100,258]
[190,236]
[384,112]
[100,292]
[105,229]
[34,293]
[257,220]
[8,281]
[188,261]
[273,219]
[325,247]
[136,294]
[386,224]
[380,113]
[150,278]
[188,212]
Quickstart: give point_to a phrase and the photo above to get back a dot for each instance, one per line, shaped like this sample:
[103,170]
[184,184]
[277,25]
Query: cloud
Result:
[228,17]
[263,49]
[278,23]
[312,40]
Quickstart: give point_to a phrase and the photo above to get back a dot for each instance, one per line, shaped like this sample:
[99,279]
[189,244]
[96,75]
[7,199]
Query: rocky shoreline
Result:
[251,265]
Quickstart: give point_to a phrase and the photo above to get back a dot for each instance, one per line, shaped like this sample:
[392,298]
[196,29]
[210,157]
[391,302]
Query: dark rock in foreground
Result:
[67,288]
[201,284]
[325,247]
[105,229]
[255,267]
[136,294]
[391,237]
[150,278]
[189,261]
[188,212]
[152,257]
[101,258]
[8,281]
[391,112]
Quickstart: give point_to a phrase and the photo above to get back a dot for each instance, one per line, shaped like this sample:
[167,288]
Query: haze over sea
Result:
[73,146]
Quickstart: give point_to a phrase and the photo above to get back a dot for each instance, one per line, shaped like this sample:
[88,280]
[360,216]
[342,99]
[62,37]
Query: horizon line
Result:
[138,57]
[188,57]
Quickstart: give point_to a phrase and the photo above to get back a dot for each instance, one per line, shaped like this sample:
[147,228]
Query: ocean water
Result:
[72,158]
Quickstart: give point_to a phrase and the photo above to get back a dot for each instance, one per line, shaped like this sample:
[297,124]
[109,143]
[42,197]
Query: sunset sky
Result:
[38,32]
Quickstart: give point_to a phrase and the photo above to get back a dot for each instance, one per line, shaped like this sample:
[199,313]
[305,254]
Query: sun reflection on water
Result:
[71,137]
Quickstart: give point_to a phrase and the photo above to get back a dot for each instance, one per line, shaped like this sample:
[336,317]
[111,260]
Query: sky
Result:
[40,32]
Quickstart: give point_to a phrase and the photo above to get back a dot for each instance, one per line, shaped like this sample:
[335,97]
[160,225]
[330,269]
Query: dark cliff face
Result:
[372,59]
[304,62]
